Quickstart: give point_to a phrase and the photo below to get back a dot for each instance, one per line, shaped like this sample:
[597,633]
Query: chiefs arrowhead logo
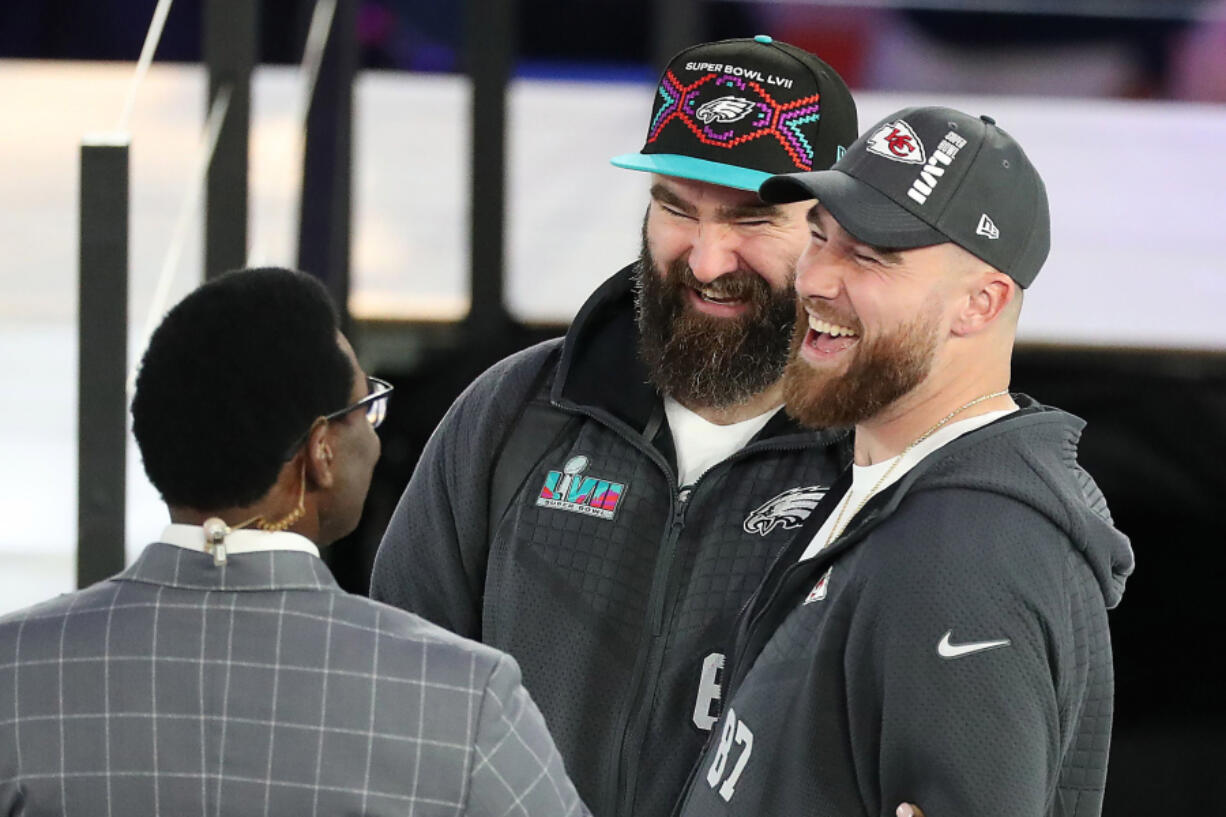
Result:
[897,142]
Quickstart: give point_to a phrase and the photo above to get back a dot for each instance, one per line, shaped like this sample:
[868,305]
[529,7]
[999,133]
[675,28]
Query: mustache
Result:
[741,285]
[738,285]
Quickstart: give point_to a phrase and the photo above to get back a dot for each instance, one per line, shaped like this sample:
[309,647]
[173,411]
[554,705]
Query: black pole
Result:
[327,162]
[489,45]
[675,26]
[102,359]
[229,51]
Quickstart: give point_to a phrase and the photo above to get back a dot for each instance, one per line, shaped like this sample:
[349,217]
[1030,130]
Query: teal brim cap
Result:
[736,112]
[687,167]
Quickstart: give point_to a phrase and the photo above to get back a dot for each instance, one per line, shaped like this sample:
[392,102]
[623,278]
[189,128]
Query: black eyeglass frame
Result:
[375,403]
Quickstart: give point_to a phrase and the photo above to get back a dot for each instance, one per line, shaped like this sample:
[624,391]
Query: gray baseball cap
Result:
[925,176]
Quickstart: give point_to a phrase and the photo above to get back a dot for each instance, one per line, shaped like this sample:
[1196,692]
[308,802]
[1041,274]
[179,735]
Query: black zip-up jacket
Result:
[949,649]
[615,590]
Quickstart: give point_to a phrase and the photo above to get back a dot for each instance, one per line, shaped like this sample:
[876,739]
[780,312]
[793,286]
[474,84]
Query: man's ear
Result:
[320,464]
[989,293]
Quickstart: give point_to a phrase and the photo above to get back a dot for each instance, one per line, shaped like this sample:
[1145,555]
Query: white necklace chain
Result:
[933,429]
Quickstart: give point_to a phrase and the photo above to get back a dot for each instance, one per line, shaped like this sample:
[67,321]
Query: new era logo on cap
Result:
[986,228]
[735,112]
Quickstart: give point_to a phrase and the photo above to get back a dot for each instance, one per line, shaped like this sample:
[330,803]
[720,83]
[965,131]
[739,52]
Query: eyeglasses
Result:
[375,403]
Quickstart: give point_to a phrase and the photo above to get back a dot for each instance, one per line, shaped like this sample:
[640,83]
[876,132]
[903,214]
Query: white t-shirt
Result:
[864,477]
[701,444]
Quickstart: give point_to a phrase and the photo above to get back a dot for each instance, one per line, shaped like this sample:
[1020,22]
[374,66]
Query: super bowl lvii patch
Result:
[570,490]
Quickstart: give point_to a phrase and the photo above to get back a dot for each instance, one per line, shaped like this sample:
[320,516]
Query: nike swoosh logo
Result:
[947,650]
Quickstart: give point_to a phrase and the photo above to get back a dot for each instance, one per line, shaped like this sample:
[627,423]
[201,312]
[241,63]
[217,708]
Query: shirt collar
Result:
[864,476]
[191,537]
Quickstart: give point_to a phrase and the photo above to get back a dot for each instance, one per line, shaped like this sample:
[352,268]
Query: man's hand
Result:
[908,810]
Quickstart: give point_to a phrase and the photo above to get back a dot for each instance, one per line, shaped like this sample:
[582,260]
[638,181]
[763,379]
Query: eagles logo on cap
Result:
[724,109]
[735,112]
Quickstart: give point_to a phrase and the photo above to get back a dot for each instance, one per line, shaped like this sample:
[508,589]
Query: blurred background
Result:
[443,167]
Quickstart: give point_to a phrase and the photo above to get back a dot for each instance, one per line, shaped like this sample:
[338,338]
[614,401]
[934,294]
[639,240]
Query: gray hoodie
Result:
[949,649]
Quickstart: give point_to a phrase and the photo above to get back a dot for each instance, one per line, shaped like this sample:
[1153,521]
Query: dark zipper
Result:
[642,660]
[647,666]
[658,619]
[683,495]
[646,679]
[810,567]
[681,504]
[783,548]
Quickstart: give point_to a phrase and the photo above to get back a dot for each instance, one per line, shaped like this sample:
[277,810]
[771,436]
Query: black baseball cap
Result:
[736,112]
[925,176]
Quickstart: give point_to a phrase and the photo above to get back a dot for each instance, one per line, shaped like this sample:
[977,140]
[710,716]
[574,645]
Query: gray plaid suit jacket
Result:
[260,688]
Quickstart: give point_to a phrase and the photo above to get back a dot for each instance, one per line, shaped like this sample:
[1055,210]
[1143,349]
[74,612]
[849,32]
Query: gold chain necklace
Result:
[933,429]
[216,530]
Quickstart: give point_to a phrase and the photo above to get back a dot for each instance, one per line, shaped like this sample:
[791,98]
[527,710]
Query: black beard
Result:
[704,361]
[879,374]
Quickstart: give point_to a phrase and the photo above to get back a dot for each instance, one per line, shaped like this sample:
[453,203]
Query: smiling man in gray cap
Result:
[938,632]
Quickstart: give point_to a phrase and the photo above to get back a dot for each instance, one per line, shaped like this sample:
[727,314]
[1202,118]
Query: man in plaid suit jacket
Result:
[225,672]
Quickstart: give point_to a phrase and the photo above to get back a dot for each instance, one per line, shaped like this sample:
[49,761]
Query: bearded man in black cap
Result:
[938,632]
[600,506]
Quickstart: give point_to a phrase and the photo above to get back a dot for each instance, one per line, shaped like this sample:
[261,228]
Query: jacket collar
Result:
[1030,455]
[600,368]
[179,567]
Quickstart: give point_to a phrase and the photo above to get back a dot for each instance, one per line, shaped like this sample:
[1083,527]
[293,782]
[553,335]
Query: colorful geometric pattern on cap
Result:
[782,121]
